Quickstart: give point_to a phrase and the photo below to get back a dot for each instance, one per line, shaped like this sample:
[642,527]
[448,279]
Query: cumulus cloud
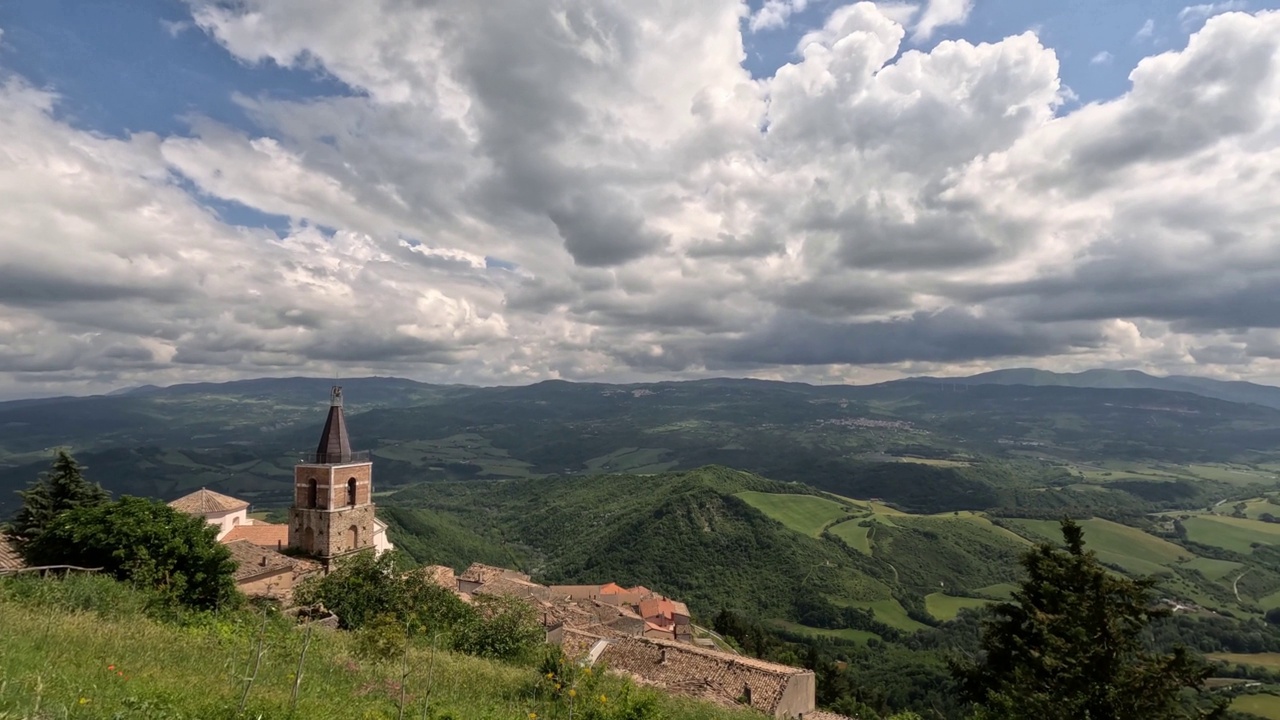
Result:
[1147,30]
[515,191]
[1192,15]
[938,14]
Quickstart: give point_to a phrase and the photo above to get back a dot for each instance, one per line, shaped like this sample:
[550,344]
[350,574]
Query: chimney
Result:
[264,561]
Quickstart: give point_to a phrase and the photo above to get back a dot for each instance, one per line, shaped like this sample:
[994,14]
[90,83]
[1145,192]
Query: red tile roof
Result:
[205,501]
[9,557]
[264,534]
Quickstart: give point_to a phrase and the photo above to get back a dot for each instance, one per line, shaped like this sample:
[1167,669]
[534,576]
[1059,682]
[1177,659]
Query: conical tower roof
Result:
[335,445]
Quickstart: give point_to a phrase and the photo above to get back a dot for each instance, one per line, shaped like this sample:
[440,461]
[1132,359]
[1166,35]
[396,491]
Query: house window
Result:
[312,493]
[353,537]
[351,491]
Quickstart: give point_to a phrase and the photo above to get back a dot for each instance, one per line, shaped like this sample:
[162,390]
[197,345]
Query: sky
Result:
[599,190]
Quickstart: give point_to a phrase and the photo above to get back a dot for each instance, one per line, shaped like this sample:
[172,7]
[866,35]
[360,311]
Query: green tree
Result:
[502,628]
[365,586]
[63,487]
[1068,647]
[146,542]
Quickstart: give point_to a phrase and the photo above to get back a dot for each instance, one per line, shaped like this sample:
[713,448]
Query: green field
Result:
[1235,534]
[856,535]
[1270,601]
[945,607]
[1264,706]
[806,514]
[1116,544]
[891,613]
[999,590]
[631,460]
[1266,660]
[843,634]
[1213,569]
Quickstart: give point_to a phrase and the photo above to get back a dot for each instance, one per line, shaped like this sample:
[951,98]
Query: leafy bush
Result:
[145,542]
[501,628]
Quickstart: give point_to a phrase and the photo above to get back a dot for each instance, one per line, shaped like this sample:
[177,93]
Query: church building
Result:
[332,513]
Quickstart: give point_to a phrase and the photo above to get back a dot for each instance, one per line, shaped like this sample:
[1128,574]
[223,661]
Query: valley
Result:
[870,525]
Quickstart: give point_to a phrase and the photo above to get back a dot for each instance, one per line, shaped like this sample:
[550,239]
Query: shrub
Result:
[146,542]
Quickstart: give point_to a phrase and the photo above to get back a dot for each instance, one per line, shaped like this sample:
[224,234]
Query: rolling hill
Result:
[922,445]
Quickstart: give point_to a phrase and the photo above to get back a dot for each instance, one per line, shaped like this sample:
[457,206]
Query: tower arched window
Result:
[313,493]
[351,491]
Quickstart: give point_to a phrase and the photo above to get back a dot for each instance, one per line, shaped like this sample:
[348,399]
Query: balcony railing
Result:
[356,456]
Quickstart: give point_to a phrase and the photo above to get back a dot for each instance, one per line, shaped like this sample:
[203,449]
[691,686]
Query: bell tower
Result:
[332,513]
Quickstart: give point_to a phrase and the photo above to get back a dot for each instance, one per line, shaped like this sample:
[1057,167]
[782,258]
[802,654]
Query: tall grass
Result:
[85,648]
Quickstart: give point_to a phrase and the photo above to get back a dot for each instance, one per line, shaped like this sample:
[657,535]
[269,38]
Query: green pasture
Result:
[857,536]
[1228,533]
[1263,705]
[631,460]
[999,590]
[947,607]
[1266,660]
[890,612]
[806,514]
[1213,569]
[1120,545]
[842,634]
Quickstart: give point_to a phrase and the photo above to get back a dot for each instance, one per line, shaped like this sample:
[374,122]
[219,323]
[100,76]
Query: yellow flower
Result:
[557,686]
[604,699]
[533,716]
[587,671]
[84,701]
[572,692]
[550,675]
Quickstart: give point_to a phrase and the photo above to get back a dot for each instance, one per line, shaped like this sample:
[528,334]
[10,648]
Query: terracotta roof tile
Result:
[261,534]
[9,557]
[481,573]
[205,501]
[253,561]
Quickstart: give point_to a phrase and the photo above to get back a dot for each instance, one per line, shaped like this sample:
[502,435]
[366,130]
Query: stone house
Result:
[779,691]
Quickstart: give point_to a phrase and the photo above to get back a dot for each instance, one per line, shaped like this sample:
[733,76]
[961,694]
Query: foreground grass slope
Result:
[85,649]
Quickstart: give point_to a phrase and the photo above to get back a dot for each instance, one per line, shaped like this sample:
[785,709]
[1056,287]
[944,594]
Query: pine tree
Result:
[1069,646]
[63,487]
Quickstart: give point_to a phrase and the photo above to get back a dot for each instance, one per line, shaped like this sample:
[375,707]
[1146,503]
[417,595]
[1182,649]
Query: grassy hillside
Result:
[61,658]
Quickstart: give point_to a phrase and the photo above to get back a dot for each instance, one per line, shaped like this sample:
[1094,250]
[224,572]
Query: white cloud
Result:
[1192,15]
[1102,58]
[775,14]
[665,212]
[938,14]
[1147,30]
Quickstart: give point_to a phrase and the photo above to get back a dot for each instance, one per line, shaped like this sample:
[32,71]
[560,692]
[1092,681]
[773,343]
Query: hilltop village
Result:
[636,631]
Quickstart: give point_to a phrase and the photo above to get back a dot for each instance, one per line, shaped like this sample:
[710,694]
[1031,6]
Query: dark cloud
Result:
[603,229]
[948,336]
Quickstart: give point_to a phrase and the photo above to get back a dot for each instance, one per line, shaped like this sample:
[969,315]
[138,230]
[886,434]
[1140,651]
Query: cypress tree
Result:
[63,487]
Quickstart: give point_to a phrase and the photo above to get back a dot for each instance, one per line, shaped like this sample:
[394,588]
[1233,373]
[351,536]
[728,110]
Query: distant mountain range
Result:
[1233,391]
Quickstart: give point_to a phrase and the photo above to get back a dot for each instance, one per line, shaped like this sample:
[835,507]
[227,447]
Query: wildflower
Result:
[84,701]
[533,716]
[604,699]
[550,675]
[572,692]
[120,673]
[587,671]
[111,667]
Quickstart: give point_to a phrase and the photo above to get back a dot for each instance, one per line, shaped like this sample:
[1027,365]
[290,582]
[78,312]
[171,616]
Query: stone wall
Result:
[776,690]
